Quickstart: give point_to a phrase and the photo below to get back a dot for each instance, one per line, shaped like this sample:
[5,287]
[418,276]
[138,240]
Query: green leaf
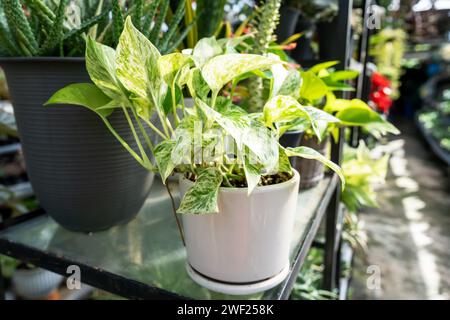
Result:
[172,67]
[313,88]
[221,69]
[226,106]
[337,85]
[343,75]
[86,25]
[229,45]
[308,153]
[284,165]
[173,27]
[248,132]
[198,88]
[334,105]
[117,21]
[252,173]
[202,197]
[138,70]
[204,50]
[171,64]
[55,36]
[167,105]
[82,94]
[285,82]
[163,158]
[159,22]
[215,11]
[299,124]
[358,113]
[101,66]
[322,66]
[320,121]
[184,139]
[283,109]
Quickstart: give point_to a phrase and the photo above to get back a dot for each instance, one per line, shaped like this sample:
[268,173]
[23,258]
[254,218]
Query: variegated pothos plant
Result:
[136,80]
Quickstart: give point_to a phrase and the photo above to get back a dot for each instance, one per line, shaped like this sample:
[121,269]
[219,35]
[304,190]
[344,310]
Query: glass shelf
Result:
[147,253]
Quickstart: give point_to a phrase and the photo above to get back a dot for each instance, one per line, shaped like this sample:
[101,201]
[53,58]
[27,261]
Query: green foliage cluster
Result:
[59,28]
[437,124]
[388,48]
[213,14]
[4,93]
[310,279]
[264,23]
[362,173]
[136,80]
[318,88]
[44,28]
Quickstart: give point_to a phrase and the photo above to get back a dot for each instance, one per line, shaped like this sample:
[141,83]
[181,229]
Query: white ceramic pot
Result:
[35,283]
[249,239]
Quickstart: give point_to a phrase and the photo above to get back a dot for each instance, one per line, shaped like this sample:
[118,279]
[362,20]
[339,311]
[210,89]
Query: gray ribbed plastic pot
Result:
[311,171]
[82,176]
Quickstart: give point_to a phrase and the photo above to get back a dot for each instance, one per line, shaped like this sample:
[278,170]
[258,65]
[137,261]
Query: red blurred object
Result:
[381,92]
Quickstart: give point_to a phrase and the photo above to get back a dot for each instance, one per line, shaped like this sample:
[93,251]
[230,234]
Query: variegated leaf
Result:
[202,197]
[163,158]
[221,69]
[101,66]
[308,153]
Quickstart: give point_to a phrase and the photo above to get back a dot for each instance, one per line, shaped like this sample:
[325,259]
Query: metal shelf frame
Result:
[340,34]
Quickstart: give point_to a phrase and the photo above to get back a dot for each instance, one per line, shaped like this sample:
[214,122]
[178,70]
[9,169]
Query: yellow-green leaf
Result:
[308,153]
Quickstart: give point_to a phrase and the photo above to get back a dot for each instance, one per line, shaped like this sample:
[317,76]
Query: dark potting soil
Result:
[266,180]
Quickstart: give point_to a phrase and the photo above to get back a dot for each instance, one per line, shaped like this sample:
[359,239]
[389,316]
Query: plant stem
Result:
[136,137]
[183,107]
[124,144]
[227,182]
[174,105]
[233,88]
[213,99]
[174,210]
[146,137]
[158,132]
[162,119]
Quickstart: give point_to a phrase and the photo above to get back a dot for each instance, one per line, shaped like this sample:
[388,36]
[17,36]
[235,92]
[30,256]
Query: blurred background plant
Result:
[9,265]
[309,280]
[262,26]
[317,10]
[48,28]
[4,94]
[10,203]
[387,48]
[237,11]
[362,173]
[59,28]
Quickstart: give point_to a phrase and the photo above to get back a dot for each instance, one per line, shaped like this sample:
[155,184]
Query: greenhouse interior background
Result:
[336,185]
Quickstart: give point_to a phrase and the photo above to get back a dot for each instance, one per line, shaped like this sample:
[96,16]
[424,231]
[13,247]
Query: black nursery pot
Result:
[304,50]
[288,22]
[291,139]
[311,171]
[81,175]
